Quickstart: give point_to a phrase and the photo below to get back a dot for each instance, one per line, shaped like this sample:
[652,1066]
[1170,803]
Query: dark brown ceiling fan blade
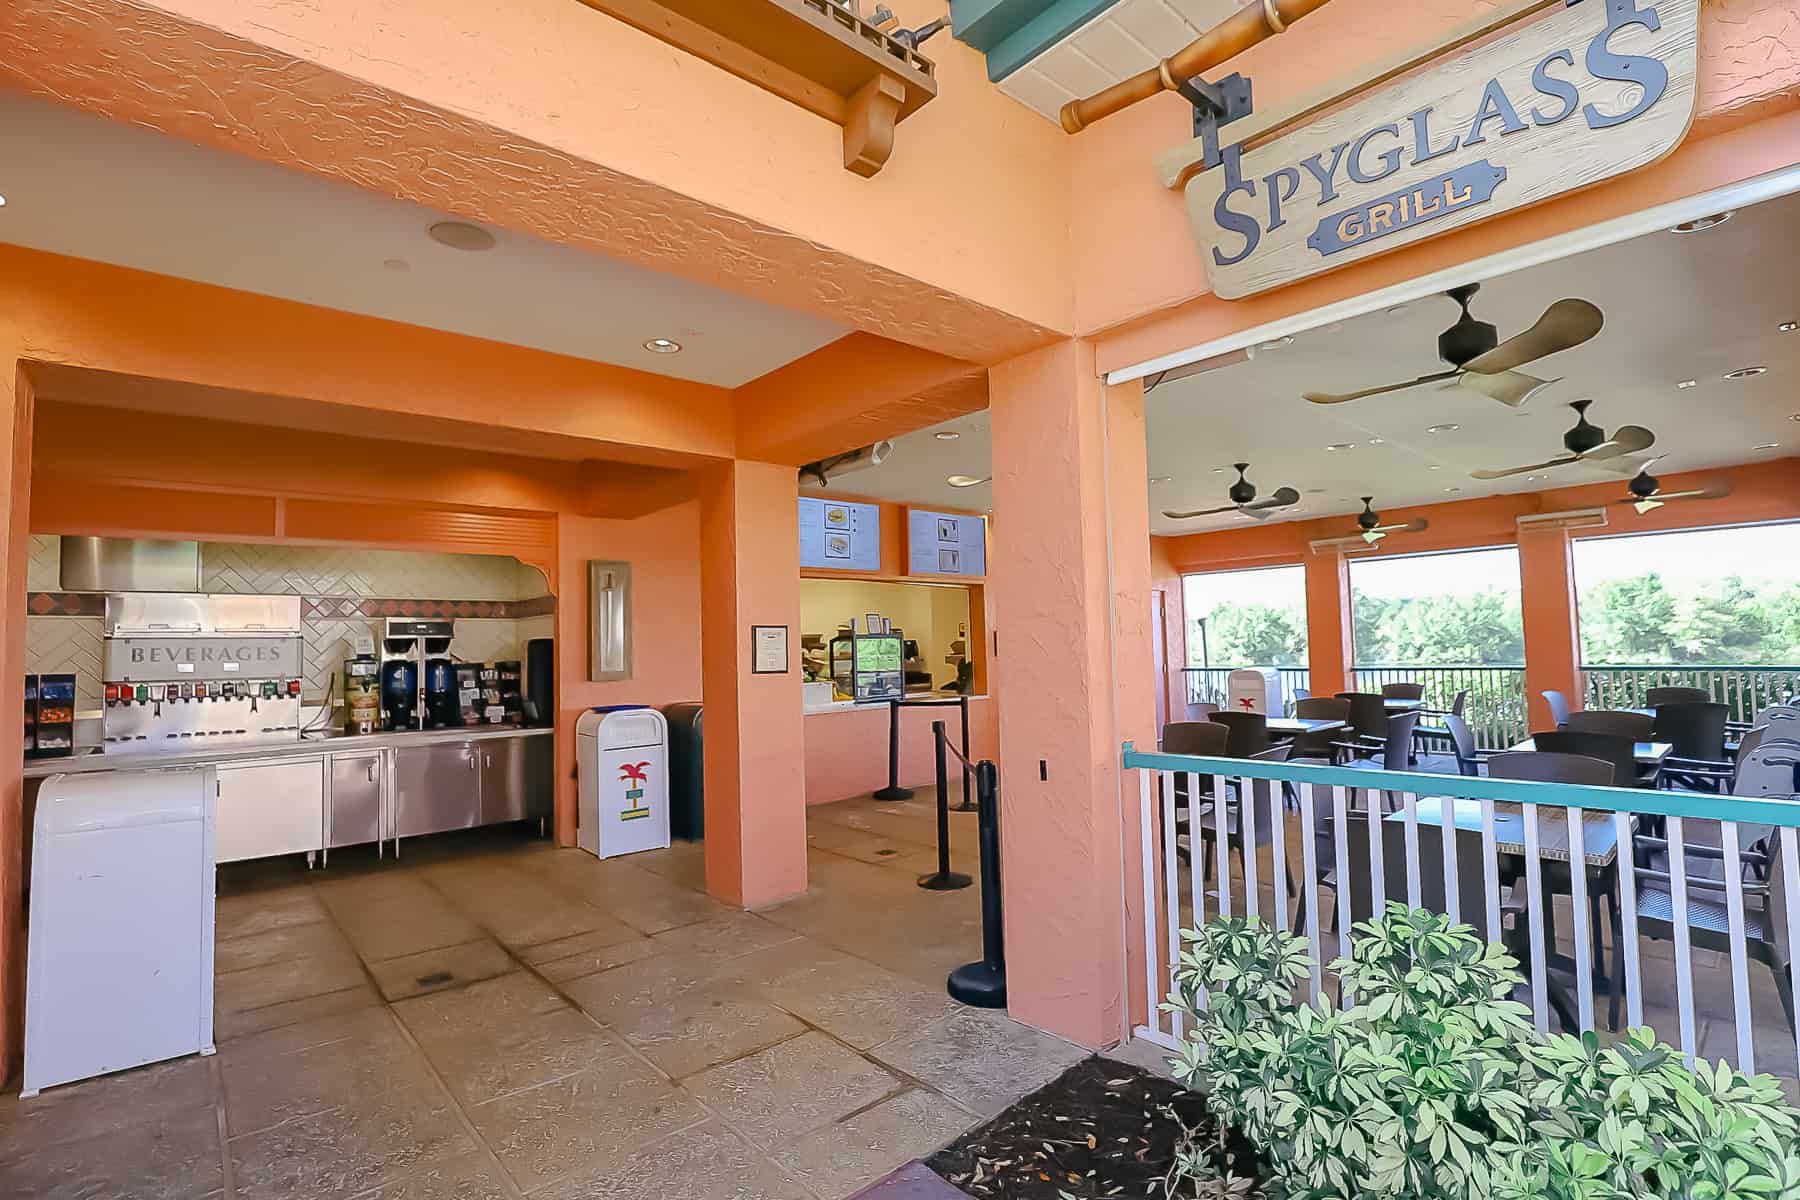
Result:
[1716,491]
[1281,498]
[1202,512]
[1626,439]
[1564,325]
[1511,471]
[1340,398]
[1511,388]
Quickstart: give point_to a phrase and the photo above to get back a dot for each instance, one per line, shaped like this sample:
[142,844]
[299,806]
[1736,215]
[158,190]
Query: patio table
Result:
[1289,727]
[1648,754]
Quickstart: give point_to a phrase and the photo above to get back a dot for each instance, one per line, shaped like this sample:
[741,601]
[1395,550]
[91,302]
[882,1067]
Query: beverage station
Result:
[420,742]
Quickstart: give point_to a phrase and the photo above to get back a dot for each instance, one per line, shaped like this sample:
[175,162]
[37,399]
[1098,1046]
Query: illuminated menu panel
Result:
[945,544]
[840,535]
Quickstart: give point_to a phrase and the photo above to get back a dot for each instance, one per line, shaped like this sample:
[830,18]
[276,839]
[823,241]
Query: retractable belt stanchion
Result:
[983,984]
[944,880]
[893,790]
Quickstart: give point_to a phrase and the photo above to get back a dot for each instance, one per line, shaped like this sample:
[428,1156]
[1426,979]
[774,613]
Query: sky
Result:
[1688,561]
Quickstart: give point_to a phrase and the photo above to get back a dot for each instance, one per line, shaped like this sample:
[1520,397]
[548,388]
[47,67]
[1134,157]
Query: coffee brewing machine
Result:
[186,671]
[418,680]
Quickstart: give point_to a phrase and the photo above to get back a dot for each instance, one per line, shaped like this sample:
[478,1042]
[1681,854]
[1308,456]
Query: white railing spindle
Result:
[1791,896]
[1340,844]
[1578,902]
[1447,827]
[1684,950]
[1222,838]
[1171,873]
[1153,989]
[1278,859]
[1247,830]
[1740,955]
[1490,870]
[1409,805]
[1534,893]
[1633,976]
[1309,886]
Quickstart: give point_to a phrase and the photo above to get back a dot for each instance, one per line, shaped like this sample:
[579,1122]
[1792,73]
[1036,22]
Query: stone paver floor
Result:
[492,1017]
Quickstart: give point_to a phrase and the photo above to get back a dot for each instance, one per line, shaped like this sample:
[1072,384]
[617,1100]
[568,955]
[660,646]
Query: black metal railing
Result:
[1746,690]
[1495,709]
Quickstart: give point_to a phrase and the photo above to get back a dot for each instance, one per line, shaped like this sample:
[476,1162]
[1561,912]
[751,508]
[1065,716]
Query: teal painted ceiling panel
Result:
[1013,32]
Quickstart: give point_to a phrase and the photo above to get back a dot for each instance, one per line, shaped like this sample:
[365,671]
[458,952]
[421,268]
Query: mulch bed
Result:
[1100,1129]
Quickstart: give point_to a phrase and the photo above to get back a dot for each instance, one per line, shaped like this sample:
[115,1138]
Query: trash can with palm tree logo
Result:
[622,762]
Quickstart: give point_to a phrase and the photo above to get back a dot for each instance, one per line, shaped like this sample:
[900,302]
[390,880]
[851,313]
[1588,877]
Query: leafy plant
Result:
[1432,1084]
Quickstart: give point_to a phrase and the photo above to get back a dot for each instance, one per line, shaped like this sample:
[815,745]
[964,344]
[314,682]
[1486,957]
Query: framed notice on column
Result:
[768,649]
[945,544]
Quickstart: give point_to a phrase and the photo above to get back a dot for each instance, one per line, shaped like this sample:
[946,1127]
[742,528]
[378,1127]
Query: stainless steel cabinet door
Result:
[502,780]
[268,808]
[436,788]
[355,799]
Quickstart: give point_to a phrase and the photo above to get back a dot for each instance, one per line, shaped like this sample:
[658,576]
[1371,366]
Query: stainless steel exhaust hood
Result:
[95,564]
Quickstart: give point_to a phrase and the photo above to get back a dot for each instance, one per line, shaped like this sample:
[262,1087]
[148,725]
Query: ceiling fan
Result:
[1585,443]
[1369,521]
[1243,500]
[1482,363]
[1647,494]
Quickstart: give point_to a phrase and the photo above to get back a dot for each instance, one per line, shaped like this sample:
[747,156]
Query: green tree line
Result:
[1623,621]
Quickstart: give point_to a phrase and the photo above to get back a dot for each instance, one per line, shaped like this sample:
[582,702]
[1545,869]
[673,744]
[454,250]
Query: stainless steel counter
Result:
[307,797]
[137,760]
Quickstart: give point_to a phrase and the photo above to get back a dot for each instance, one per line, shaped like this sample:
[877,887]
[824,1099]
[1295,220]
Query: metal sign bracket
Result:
[1216,104]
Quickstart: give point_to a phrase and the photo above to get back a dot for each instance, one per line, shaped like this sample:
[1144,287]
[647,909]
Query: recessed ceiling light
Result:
[1277,343]
[1701,224]
[1218,470]
[946,435]
[396,264]
[662,346]
[1746,372]
[1376,441]
[1533,478]
[1788,326]
[1159,478]
[1448,427]
[1321,491]
[1767,446]
[460,235]
[1341,446]
[1685,384]
[1453,489]
[1434,467]
[2,201]
[1794,416]
[964,481]
[1396,310]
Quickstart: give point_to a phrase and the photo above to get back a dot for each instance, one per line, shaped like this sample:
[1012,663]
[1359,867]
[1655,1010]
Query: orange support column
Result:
[15,486]
[1330,630]
[755,752]
[1070,578]
[1552,629]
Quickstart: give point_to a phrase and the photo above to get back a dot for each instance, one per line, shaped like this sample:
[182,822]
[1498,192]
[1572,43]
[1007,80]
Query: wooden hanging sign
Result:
[1593,90]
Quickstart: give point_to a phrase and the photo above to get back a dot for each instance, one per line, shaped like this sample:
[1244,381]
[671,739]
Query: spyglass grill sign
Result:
[1593,90]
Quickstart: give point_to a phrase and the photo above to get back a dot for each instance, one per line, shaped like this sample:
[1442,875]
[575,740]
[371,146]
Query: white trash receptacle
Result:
[622,760]
[1257,691]
[119,958]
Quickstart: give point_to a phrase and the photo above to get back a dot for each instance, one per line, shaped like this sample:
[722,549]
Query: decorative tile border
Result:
[66,604]
[93,604]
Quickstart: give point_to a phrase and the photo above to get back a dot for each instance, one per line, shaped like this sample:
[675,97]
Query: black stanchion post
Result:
[983,984]
[945,880]
[966,805]
[893,790]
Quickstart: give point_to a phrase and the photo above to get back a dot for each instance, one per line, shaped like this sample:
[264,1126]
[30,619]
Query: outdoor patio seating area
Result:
[493,1017]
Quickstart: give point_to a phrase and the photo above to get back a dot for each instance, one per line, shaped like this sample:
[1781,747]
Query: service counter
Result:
[847,745]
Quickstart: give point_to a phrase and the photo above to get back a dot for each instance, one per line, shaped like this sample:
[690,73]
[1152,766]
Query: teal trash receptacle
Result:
[687,771]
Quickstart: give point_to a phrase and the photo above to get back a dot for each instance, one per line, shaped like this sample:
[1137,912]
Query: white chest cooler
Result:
[622,762]
[1256,691]
[119,961]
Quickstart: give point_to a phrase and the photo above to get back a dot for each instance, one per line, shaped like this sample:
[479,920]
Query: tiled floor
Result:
[492,1017]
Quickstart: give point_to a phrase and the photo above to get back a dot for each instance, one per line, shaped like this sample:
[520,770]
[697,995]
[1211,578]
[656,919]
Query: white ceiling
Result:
[1128,37]
[84,186]
[1677,307]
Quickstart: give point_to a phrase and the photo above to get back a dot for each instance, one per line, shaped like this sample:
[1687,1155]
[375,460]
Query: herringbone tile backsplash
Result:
[63,644]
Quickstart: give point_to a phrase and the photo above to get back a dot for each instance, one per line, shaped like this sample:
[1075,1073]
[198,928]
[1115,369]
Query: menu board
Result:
[840,535]
[945,544]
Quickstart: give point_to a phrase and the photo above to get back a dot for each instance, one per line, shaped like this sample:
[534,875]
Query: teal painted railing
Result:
[1323,845]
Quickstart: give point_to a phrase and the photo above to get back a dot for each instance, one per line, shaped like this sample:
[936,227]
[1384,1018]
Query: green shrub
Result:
[1435,1085]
